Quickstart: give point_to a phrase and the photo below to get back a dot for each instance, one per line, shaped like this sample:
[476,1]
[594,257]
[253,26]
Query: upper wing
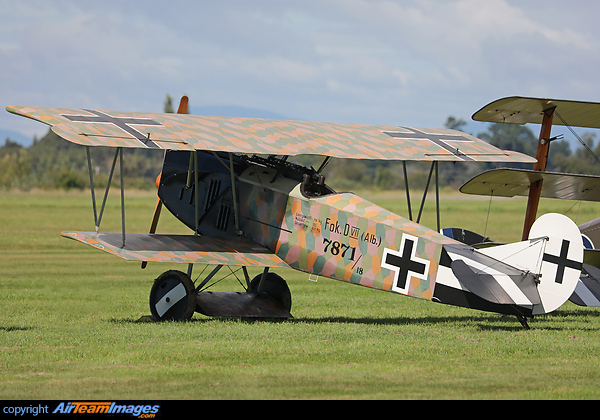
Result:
[521,110]
[187,249]
[505,182]
[264,136]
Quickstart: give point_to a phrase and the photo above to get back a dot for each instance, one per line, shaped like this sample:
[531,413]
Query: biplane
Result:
[537,182]
[230,181]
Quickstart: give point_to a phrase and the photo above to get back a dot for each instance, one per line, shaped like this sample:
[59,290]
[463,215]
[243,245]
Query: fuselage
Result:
[312,228]
[289,210]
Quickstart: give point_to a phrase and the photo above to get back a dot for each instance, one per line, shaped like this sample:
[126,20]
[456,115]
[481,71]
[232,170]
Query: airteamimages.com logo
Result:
[71,408]
[139,410]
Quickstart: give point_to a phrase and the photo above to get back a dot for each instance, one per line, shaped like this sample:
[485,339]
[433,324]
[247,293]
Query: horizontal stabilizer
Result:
[587,291]
[483,285]
[185,249]
[490,278]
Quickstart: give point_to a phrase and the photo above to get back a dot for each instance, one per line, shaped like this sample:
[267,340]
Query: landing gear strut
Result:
[523,321]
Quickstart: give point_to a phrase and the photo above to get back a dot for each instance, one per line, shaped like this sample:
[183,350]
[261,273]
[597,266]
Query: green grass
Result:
[68,325]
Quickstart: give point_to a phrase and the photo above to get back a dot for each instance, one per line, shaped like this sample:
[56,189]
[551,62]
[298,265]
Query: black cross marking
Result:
[124,123]
[438,139]
[404,262]
[562,261]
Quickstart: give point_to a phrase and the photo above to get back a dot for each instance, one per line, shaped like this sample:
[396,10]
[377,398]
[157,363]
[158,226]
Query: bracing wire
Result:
[533,242]
[487,218]
[223,278]
[587,148]
[203,270]
[578,209]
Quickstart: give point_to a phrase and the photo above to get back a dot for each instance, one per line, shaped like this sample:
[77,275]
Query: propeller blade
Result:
[183,105]
[157,210]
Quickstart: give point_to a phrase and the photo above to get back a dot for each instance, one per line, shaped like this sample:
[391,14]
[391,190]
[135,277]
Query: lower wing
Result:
[185,249]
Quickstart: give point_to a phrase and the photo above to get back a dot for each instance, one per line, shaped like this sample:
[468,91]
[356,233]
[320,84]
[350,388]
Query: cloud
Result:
[373,61]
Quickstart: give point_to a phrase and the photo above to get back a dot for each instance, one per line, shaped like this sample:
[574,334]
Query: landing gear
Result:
[274,286]
[172,297]
[265,298]
[523,321]
[175,298]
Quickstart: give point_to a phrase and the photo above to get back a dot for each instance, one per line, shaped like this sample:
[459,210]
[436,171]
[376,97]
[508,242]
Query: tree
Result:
[454,123]
[15,167]
[168,105]
[517,138]
[582,161]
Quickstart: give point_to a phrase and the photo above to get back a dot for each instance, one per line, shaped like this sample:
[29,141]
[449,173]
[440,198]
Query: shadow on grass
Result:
[481,322]
[557,320]
[15,328]
[579,311]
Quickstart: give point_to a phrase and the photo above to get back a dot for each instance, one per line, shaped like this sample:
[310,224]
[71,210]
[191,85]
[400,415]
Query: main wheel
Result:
[274,286]
[172,297]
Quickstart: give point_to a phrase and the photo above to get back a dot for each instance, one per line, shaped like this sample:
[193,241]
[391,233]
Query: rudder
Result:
[562,260]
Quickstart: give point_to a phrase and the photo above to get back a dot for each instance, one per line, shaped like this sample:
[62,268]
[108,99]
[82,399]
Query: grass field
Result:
[68,325]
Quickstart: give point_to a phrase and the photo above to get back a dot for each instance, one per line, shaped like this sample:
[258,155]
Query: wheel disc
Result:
[172,297]
[275,286]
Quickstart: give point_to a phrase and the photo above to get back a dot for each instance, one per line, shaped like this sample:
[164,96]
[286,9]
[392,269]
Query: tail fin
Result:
[554,252]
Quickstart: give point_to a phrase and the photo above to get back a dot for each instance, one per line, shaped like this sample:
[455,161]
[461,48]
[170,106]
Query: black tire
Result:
[172,297]
[274,286]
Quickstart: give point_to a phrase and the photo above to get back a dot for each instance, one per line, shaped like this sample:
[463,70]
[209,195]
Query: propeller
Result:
[183,105]
[183,109]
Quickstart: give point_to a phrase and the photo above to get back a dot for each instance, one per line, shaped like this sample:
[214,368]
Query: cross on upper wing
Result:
[124,123]
[263,136]
[442,139]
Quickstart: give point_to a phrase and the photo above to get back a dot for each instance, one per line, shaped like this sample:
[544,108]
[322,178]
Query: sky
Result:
[410,63]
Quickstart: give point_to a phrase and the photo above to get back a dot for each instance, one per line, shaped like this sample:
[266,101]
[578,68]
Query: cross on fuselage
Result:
[438,139]
[562,261]
[124,123]
[405,263]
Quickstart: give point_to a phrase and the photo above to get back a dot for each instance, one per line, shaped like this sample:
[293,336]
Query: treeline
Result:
[53,163]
